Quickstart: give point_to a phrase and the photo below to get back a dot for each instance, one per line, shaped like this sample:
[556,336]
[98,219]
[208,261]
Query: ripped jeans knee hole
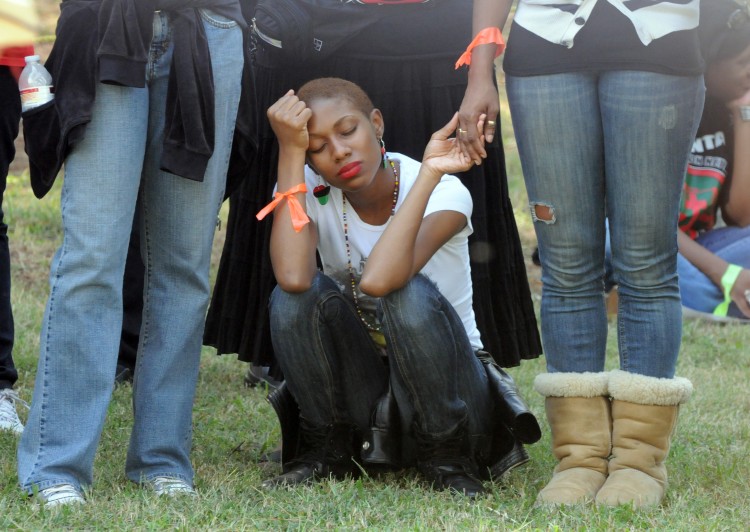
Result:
[542,212]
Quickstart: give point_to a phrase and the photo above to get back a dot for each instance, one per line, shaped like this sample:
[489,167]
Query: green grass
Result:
[234,426]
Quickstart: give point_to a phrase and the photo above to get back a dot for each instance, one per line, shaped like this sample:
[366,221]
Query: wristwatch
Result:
[745,113]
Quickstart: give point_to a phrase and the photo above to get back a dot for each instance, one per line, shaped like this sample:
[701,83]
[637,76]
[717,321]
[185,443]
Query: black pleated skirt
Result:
[405,63]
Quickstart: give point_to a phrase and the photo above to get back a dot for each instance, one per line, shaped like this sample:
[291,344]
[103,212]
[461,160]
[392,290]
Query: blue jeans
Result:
[336,372]
[81,330]
[698,291]
[607,144]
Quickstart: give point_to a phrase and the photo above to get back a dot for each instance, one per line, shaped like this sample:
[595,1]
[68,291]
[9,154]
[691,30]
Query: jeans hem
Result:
[30,487]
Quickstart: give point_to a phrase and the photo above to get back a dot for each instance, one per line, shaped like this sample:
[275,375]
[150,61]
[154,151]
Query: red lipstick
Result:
[350,170]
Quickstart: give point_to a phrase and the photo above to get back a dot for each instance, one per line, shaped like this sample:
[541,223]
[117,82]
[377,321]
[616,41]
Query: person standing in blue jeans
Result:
[605,97]
[392,235]
[166,80]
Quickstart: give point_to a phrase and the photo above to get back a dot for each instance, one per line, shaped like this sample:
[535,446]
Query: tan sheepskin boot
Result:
[578,411]
[644,416]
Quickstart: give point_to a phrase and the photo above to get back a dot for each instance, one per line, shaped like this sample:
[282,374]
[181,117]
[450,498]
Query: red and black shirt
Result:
[709,170]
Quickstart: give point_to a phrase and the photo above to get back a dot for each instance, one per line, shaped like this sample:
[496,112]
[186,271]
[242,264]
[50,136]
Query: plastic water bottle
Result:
[35,84]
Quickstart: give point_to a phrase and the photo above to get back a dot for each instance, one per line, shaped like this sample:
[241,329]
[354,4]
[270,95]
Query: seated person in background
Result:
[392,308]
[714,262]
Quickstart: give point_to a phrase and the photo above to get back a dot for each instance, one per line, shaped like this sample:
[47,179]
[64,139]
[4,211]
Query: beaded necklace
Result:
[370,326]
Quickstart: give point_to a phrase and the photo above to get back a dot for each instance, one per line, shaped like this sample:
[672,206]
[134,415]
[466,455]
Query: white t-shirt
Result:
[448,268]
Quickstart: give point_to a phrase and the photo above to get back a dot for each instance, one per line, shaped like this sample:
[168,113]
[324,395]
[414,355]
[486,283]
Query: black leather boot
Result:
[445,466]
[327,452]
[515,457]
[382,441]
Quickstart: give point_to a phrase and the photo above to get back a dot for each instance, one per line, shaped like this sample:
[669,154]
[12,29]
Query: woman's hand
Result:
[742,285]
[289,117]
[443,154]
[481,98]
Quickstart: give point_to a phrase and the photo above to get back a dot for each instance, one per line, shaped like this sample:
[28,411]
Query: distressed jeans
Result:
[607,144]
[119,156]
[336,373]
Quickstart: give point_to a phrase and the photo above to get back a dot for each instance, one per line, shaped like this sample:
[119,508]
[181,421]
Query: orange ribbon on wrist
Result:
[298,214]
[486,36]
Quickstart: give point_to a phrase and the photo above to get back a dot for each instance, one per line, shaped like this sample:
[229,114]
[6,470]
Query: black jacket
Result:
[115,50]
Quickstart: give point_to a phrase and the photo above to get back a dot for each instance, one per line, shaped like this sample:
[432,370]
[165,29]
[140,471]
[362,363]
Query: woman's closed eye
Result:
[347,133]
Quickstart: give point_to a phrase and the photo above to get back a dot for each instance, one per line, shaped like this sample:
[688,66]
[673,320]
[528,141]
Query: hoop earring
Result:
[382,152]
[321,191]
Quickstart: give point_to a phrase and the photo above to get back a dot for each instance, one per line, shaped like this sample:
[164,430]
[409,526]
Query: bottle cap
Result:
[32,58]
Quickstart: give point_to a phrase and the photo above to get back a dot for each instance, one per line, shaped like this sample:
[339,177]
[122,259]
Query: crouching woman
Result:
[390,315]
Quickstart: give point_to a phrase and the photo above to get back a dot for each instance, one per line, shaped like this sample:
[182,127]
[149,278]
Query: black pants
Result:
[10,115]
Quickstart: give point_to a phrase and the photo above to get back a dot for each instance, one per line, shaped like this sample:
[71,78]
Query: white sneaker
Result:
[8,415]
[170,486]
[60,495]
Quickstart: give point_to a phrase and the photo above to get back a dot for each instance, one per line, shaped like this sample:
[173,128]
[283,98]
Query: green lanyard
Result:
[727,282]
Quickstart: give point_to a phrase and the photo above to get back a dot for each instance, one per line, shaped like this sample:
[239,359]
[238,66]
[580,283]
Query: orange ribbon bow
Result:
[298,214]
[486,36]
